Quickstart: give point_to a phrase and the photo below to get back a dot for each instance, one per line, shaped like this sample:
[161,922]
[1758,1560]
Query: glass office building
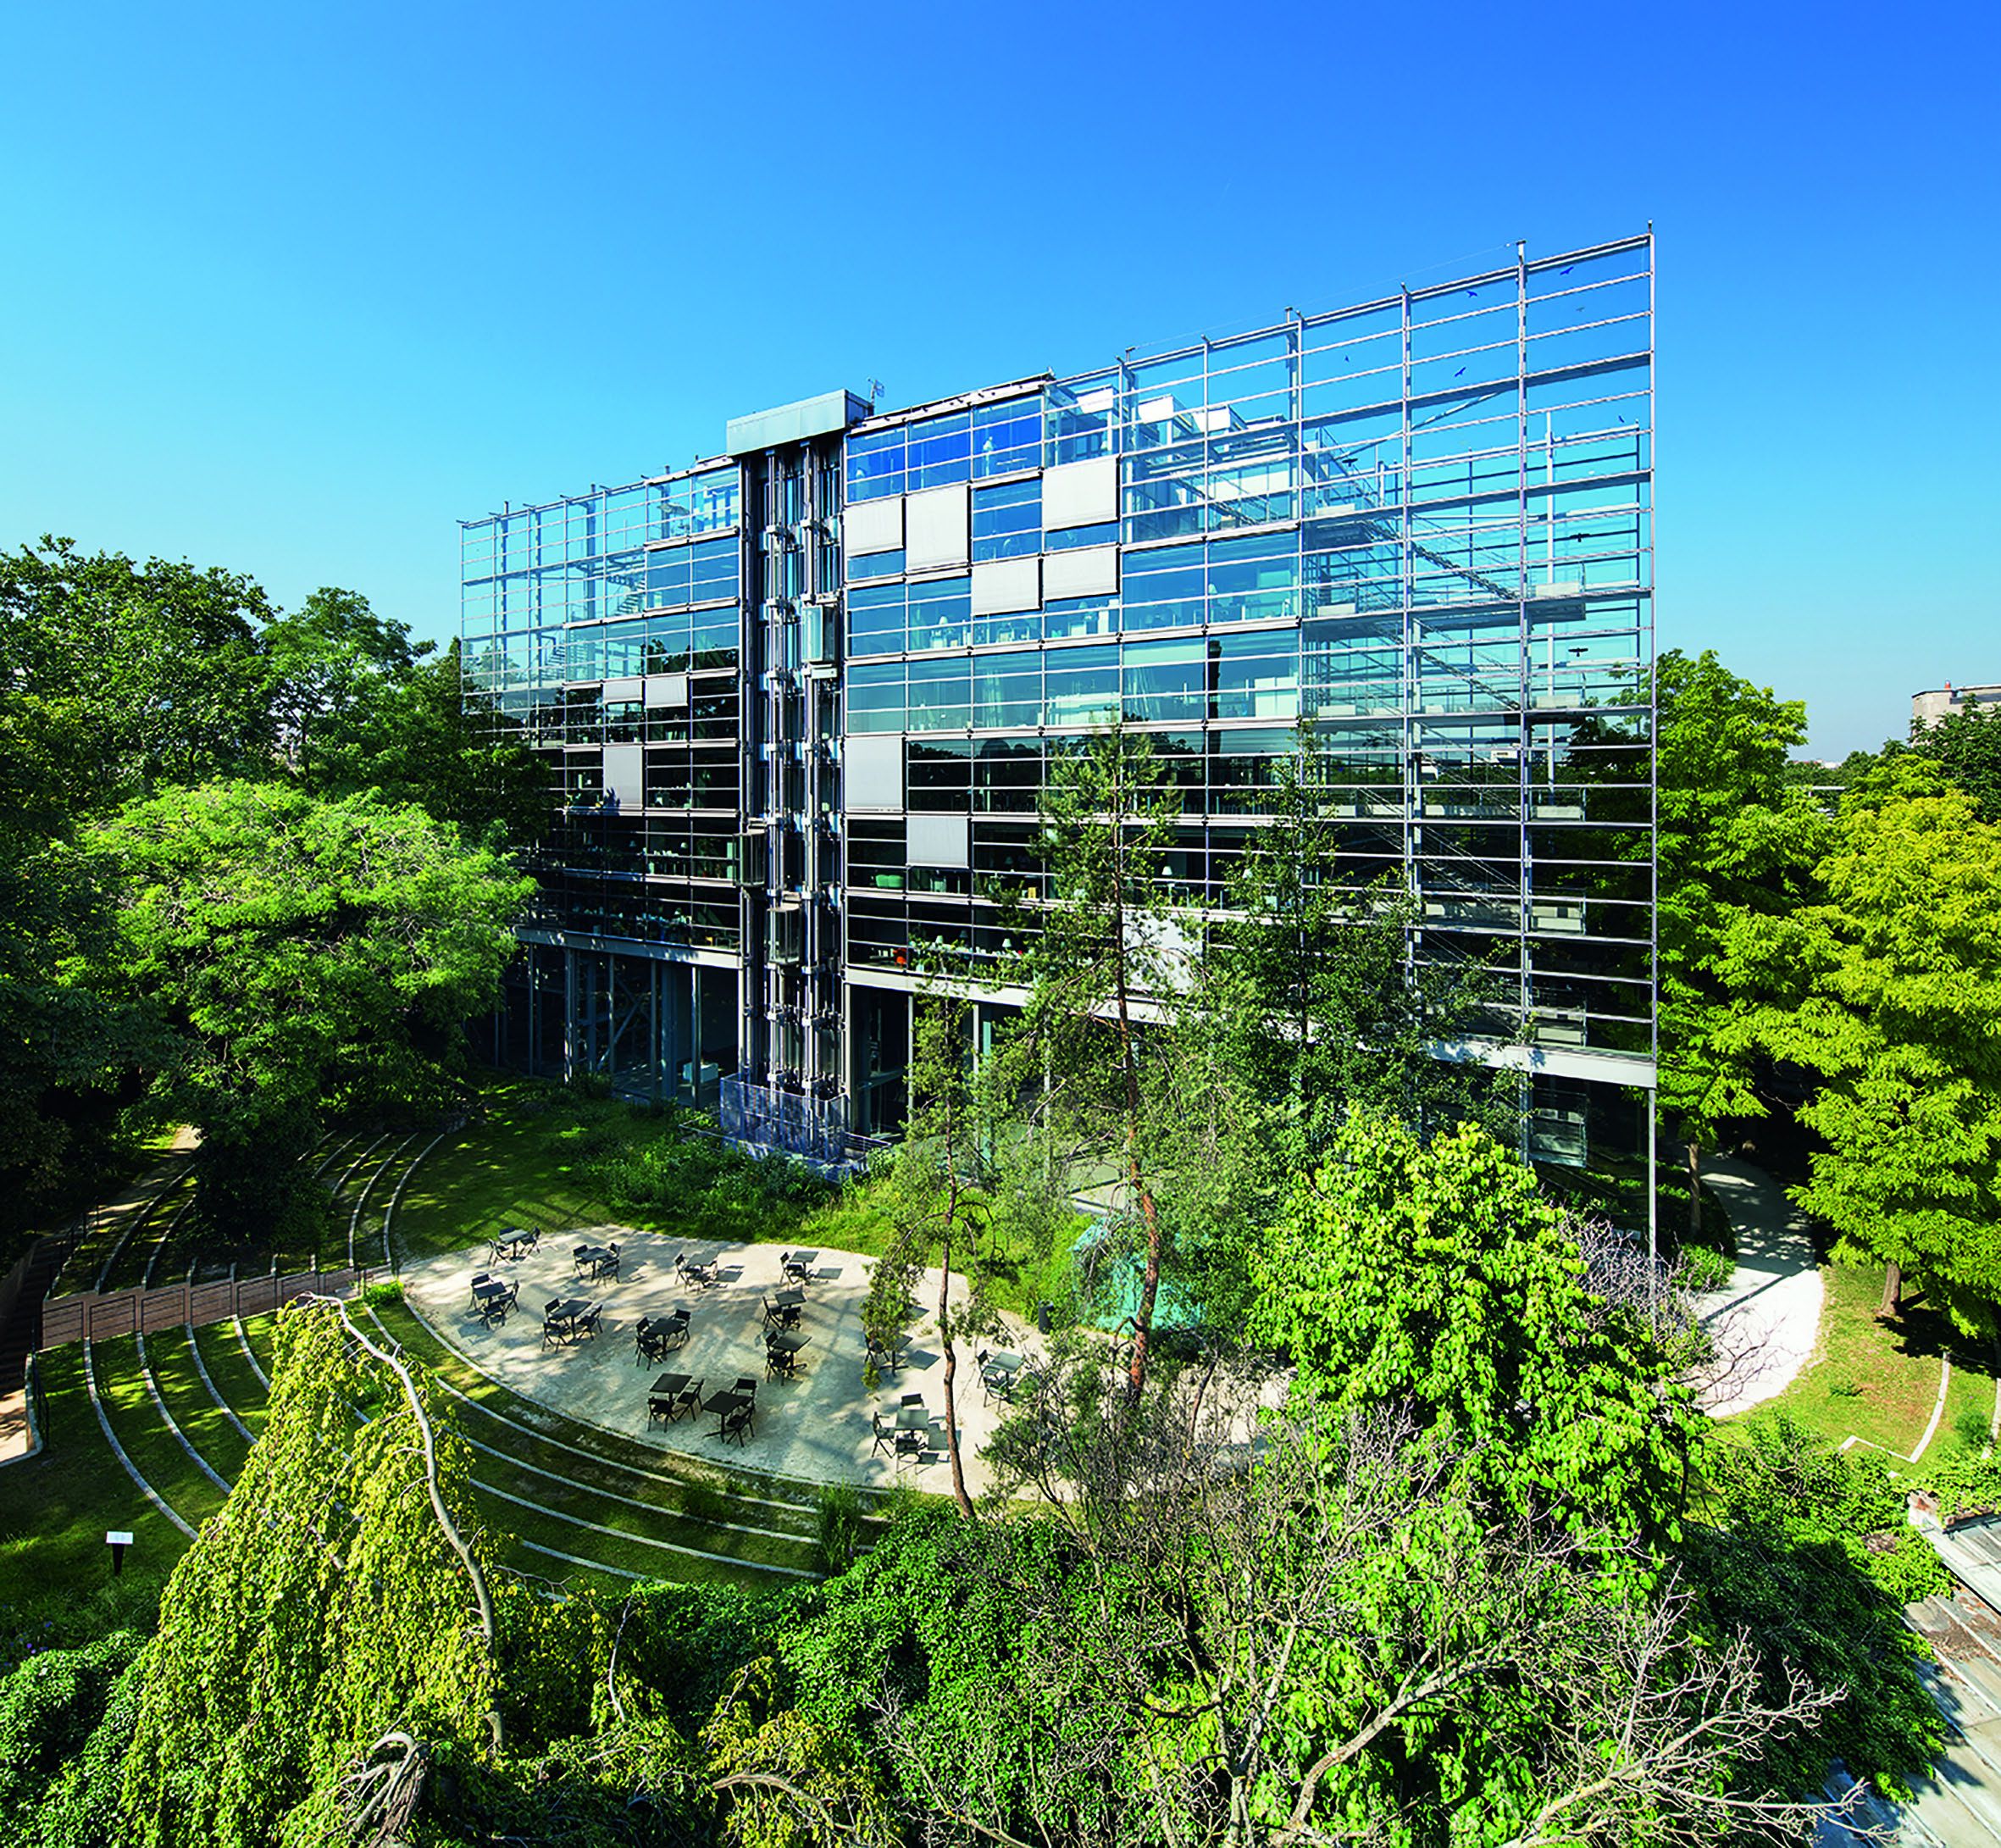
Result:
[797,701]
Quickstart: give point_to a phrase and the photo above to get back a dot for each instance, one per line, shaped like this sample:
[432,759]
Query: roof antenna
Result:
[875,393]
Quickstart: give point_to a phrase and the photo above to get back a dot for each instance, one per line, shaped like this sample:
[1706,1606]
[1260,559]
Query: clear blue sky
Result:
[294,288]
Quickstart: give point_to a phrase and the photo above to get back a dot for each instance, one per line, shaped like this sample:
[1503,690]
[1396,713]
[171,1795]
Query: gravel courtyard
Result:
[816,1427]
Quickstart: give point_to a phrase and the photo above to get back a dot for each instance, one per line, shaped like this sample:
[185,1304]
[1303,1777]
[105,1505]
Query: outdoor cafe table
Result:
[592,1255]
[787,1344]
[791,1297]
[491,1295]
[511,1242]
[1002,1366]
[565,1314]
[669,1389]
[912,1418]
[723,1403]
[799,1264]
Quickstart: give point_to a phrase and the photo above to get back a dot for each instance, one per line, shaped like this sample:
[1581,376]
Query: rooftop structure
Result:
[798,702]
[1940,702]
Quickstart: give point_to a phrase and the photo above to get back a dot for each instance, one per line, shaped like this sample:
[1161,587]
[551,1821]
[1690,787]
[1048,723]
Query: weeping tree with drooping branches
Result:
[331,1629]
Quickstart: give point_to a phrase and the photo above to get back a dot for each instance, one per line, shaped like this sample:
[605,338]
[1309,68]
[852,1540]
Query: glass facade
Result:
[1423,524]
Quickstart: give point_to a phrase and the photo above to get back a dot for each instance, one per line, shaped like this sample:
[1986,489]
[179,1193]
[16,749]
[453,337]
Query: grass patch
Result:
[1879,1380]
[148,1442]
[55,1509]
[227,1367]
[201,1420]
[519,1165]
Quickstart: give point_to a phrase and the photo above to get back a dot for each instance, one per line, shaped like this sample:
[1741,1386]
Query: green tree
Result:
[115,679]
[1436,1275]
[331,662]
[141,675]
[310,957]
[1105,941]
[429,739]
[937,1198]
[1888,990]
[1307,1006]
[333,1600]
[1966,745]
[1738,839]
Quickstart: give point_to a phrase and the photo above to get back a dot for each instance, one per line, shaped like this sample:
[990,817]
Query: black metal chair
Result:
[673,1331]
[912,1443]
[607,1266]
[649,1341]
[587,1324]
[555,1330]
[885,1434]
[736,1425]
[660,1410]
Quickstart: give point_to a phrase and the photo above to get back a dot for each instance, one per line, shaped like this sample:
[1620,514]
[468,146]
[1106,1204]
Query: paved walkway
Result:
[817,1426]
[1767,1322]
[18,1437]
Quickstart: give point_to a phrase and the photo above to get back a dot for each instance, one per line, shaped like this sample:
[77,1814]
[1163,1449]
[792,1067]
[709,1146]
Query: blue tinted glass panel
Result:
[942,451]
[669,576]
[1250,579]
[711,499]
[1254,676]
[941,613]
[876,565]
[715,639]
[875,465]
[1067,616]
[668,639]
[1007,520]
[1069,538]
[1080,686]
[875,619]
[1165,681]
[1007,437]
[1164,588]
[1007,690]
[875,697]
[715,570]
[940,695]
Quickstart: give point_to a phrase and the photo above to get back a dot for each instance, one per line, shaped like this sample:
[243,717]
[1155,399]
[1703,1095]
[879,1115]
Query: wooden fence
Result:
[88,1316]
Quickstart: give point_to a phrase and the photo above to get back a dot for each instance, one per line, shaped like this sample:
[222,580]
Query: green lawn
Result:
[56,1508]
[1879,1381]
[521,1164]
[517,1166]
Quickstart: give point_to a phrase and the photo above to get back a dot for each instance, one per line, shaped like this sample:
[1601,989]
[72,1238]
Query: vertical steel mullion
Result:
[1413,780]
[1653,796]
[1525,724]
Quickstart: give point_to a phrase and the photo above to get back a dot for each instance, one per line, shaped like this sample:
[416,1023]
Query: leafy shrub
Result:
[841,1526]
[49,1706]
[1971,1428]
[1703,1270]
[671,1170]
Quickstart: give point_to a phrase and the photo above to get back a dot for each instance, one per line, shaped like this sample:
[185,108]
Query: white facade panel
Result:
[872,771]
[934,528]
[1092,571]
[625,773]
[617,691]
[873,526]
[1080,493]
[1007,584]
[940,839]
[667,690]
